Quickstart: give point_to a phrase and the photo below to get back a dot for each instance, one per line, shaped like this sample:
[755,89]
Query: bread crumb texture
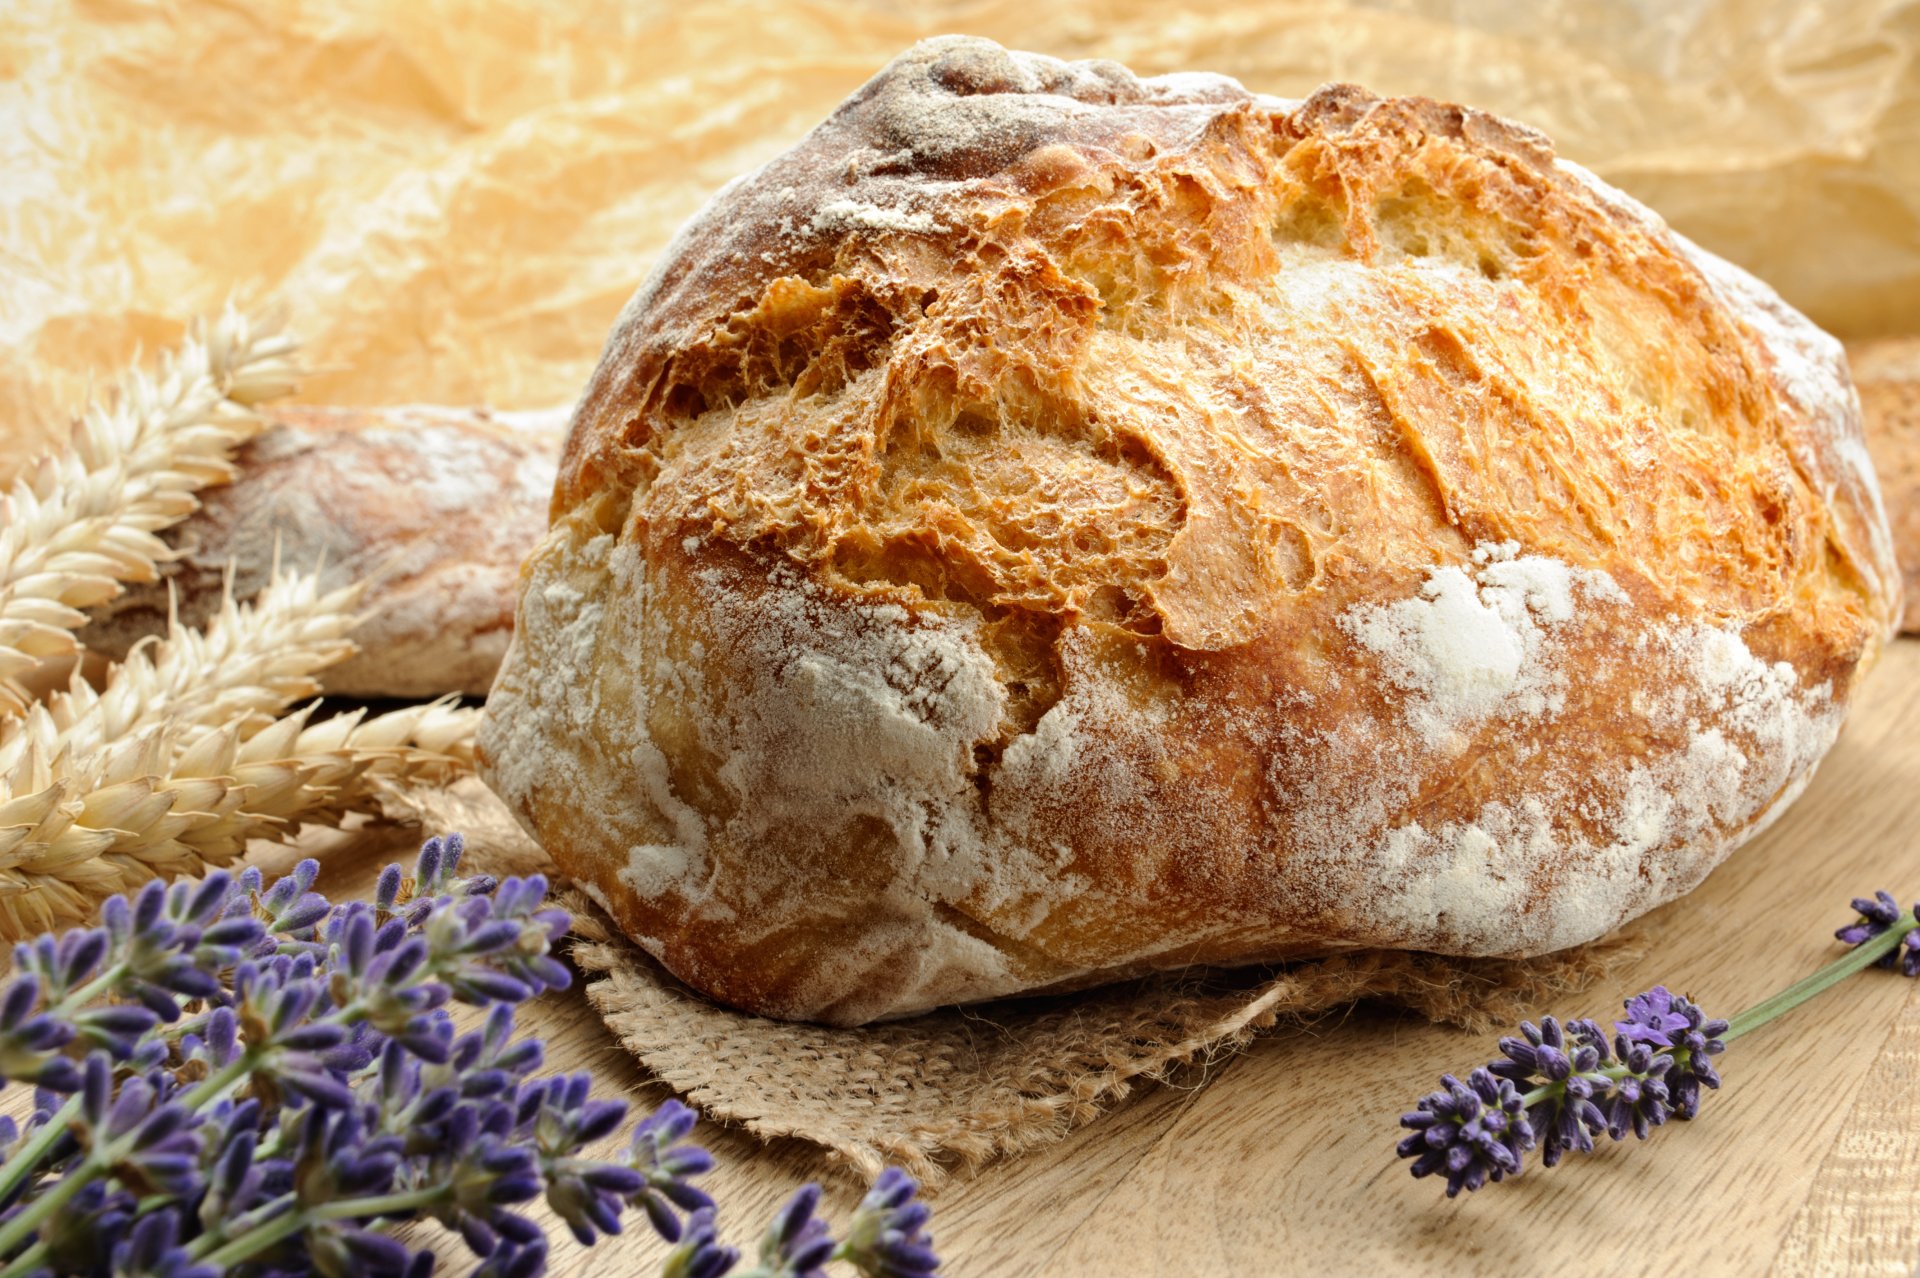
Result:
[1053,525]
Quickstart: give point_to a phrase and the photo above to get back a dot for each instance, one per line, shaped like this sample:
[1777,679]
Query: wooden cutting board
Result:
[1280,1160]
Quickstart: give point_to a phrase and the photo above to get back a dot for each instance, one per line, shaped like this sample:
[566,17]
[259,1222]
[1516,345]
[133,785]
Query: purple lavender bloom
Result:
[1640,1101]
[1474,1132]
[438,871]
[234,1179]
[31,1040]
[487,1173]
[152,1250]
[1566,1118]
[331,1024]
[1651,1019]
[1573,1085]
[514,1260]
[338,1157]
[159,1150]
[887,1240]
[278,1009]
[1877,916]
[699,1253]
[797,1244]
[290,910]
[82,1237]
[1660,1020]
[657,1154]
[342,1250]
[588,1195]
[490,1061]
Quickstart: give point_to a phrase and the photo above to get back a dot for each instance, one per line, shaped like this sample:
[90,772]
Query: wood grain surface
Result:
[1280,1160]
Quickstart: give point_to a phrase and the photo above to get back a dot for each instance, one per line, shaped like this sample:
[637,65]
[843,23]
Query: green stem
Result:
[1863,955]
[27,1261]
[24,1226]
[383,1205]
[26,1159]
[91,990]
[252,1241]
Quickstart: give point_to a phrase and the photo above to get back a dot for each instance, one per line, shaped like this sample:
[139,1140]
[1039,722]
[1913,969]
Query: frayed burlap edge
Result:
[960,1087]
[957,1088]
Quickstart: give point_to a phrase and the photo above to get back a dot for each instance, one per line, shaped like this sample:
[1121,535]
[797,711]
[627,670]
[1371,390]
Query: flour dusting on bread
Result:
[1066,525]
[1475,641]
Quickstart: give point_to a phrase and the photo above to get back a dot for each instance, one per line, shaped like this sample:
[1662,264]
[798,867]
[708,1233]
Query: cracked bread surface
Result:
[1052,525]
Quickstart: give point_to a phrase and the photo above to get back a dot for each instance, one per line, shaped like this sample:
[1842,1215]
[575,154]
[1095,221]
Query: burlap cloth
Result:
[956,1088]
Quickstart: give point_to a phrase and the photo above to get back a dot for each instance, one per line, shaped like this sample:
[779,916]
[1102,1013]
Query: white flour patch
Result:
[853,215]
[1472,645]
[1752,736]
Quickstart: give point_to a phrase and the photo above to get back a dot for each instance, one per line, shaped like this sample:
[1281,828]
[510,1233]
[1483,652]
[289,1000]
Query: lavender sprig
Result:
[237,1077]
[887,1238]
[1560,1087]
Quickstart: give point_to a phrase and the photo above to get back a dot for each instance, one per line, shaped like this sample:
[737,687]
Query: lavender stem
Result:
[27,1262]
[258,1238]
[25,1159]
[35,1214]
[1861,956]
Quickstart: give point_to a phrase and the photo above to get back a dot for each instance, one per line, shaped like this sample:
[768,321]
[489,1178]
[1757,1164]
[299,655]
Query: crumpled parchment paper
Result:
[454,199]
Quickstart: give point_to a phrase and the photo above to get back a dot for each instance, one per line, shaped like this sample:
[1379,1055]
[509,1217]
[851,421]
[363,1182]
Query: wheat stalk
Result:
[83,520]
[245,669]
[187,752]
[74,830]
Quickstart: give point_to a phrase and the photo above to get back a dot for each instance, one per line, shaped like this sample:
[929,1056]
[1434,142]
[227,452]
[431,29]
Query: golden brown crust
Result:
[1051,525]
[439,505]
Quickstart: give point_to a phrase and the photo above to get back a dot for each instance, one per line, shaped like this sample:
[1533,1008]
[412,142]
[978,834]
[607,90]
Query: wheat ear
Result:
[82,520]
[74,830]
[183,756]
[246,668]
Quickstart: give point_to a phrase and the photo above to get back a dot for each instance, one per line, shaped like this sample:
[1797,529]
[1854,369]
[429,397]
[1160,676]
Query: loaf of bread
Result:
[1888,374]
[1052,525]
[438,505]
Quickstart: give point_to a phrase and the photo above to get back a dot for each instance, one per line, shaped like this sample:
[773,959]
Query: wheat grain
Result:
[76,829]
[250,663]
[187,751]
[85,519]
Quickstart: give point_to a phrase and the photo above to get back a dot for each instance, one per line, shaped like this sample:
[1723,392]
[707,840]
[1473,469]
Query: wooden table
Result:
[1280,1160]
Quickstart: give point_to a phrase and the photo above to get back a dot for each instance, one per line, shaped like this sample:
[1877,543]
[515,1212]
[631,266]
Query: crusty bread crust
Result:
[437,505]
[1052,525]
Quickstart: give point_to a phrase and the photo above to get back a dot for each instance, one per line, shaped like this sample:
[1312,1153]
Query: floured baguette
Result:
[1888,375]
[1052,525]
[442,503]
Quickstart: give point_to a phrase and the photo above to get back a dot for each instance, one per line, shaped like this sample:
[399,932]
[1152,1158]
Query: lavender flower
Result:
[241,1074]
[1473,1132]
[1640,1099]
[588,1195]
[665,1164]
[798,1243]
[1651,1019]
[1565,1117]
[1667,1023]
[885,1239]
[1879,915]
[1576,1086]
[700,1253]
[152,1250]
[1559,1088]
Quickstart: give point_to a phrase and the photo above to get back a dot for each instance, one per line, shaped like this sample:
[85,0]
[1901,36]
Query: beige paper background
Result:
[454,199]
